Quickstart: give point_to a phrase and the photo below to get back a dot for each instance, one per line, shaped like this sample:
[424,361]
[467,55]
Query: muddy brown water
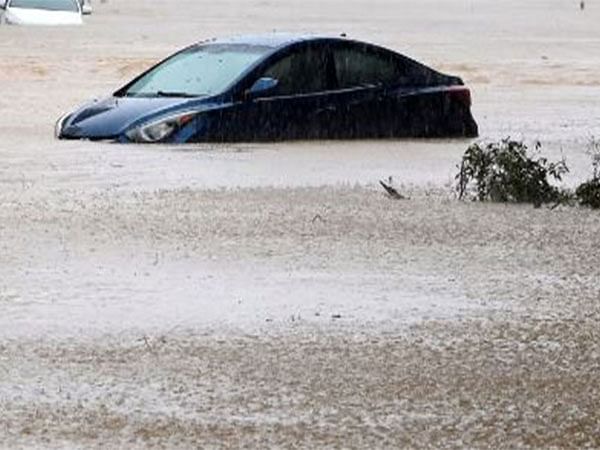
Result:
[270,295]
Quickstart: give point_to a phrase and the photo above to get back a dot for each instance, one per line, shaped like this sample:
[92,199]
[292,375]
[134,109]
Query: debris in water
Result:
[393,193]
[317,217]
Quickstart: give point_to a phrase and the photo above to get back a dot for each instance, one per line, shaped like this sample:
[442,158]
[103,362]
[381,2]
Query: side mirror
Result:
[86,8]
[261,87]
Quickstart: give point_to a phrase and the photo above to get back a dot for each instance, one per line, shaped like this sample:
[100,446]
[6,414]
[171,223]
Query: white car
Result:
[41,12]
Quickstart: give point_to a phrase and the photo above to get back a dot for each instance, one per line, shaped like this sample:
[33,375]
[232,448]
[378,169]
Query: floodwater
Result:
[270,294]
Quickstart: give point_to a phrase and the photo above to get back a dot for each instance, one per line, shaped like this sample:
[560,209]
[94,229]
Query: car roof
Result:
[274,40]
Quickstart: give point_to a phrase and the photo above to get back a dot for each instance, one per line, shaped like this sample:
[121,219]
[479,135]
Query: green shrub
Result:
[504,172]
[588,193]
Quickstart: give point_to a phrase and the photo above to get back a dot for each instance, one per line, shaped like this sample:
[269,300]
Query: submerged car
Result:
[276,87]
[40,12]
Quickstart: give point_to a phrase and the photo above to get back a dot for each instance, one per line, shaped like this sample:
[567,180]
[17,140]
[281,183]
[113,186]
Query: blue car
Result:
[278,87]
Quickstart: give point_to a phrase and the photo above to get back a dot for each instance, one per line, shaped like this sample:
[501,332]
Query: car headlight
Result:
[59,125]
[159,130]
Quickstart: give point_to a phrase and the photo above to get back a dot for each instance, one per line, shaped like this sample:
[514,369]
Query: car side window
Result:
[301,72]
[362,67]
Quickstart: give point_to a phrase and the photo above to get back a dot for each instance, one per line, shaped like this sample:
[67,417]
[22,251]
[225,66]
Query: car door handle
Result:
[326,109]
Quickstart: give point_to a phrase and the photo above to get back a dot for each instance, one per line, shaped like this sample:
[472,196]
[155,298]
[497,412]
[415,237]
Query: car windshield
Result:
[202,70]
[50,5]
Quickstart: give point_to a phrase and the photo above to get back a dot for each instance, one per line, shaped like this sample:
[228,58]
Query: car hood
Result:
[27,16]
[109,118]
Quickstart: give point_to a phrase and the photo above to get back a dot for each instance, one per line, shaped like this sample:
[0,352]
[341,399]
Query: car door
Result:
[295,108]
[368,82]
